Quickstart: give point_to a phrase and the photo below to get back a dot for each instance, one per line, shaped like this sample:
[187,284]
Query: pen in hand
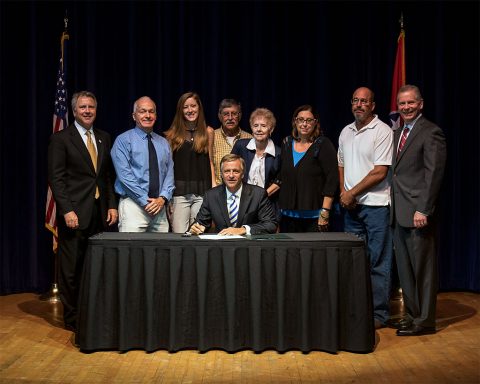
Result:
[196,229]
[189,231]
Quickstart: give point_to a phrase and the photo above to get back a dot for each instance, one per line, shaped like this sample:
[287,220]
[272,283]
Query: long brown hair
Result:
[176,134]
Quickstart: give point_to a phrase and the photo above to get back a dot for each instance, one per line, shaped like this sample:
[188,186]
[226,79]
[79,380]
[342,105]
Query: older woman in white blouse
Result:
[261,155]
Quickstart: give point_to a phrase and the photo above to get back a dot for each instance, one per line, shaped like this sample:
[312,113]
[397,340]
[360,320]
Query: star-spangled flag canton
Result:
[60,95]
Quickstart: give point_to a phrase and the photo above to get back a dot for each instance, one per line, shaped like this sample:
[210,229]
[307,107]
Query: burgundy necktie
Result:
[403,139]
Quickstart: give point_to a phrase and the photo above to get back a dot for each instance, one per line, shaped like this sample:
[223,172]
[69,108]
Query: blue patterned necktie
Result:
[233,210]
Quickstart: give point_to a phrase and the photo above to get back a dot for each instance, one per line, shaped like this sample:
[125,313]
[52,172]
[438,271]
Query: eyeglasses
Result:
[356,100]
[228,114]
[301,120]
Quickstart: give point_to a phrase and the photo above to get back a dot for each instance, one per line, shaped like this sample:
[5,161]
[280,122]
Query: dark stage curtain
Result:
[273,54]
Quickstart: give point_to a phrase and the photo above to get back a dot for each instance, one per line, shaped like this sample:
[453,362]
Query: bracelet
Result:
[324,217]
[326,209]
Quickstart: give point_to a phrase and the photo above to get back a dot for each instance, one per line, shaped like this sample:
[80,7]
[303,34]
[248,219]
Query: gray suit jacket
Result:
[417,172]
[255,210]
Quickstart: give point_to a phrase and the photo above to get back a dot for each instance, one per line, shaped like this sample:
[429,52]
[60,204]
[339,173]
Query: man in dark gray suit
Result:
[236,208]
[417,171]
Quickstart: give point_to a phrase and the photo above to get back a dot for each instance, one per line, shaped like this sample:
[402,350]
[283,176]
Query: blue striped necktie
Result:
[233,210]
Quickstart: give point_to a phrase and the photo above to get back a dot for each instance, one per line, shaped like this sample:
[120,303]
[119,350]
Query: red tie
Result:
[403,139]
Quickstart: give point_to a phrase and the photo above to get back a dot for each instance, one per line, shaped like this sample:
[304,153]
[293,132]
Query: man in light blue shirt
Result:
[144,165]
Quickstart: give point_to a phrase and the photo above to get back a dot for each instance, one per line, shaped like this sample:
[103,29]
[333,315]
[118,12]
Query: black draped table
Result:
[303,291]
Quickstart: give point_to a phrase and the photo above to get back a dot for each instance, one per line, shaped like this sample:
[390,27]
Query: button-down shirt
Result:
[238,195]
[130,158]
[83,134]
[256,176]
[222,147]
[410,128]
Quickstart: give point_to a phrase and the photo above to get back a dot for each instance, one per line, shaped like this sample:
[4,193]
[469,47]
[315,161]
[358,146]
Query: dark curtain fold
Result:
[266,54]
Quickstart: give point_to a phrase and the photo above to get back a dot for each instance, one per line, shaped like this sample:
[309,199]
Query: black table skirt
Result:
[163,291]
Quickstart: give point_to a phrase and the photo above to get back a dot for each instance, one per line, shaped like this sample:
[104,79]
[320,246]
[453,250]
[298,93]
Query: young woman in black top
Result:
[188,138]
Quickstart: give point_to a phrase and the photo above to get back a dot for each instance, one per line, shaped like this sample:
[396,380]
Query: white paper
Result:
[220,237]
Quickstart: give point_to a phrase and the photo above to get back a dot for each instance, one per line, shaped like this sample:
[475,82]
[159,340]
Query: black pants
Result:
[293,225]
[72,245]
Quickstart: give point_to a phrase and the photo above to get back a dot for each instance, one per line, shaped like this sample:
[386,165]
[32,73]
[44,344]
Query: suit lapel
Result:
[249,159]
[77,142]
[411,137]
[100,148]
[269,159]
[223,205]
[245,200]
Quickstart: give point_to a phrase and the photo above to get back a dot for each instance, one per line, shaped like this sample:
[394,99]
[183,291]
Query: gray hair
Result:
[232,157]
[227,103]
[77,95]
[409,87]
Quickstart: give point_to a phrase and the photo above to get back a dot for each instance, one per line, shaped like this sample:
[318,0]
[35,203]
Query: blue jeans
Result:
[371,223]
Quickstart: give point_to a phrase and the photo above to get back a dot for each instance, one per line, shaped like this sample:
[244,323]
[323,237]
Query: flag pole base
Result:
[51,296]
[397,294]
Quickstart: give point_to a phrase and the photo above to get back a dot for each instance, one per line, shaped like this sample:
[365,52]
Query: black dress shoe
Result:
[403,323]
[70,327]
[416,330]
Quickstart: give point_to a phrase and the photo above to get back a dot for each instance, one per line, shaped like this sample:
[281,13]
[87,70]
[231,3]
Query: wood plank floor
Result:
[34,348]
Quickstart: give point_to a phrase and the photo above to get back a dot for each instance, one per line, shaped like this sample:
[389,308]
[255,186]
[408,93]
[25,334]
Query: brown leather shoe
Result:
[416,330]
[403,323]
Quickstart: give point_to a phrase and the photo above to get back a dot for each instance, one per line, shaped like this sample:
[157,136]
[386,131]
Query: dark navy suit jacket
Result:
[255,210]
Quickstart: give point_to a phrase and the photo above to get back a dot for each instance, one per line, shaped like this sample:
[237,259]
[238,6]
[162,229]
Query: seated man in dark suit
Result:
[236,208]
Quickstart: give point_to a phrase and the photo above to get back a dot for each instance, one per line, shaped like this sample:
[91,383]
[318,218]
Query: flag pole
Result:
[399,77]
[52,295]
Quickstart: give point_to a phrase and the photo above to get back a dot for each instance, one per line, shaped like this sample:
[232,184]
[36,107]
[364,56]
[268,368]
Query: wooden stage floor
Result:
[34,348]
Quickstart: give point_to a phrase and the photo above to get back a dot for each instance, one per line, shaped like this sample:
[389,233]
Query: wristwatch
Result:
[164,199]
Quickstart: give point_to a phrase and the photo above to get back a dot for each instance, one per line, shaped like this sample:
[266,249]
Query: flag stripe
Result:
[60,121]
[399,80]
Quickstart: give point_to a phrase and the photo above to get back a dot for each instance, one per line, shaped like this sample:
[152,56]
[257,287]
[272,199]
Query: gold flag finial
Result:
[65,36]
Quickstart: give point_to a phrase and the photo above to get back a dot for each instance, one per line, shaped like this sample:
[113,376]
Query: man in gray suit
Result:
[236,208]
[417,171]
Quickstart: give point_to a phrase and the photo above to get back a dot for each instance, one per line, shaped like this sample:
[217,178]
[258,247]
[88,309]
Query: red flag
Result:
[60,121]
[398,80]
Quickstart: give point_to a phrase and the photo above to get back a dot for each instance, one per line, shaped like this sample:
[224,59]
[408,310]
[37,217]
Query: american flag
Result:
[398,79]
[60,121]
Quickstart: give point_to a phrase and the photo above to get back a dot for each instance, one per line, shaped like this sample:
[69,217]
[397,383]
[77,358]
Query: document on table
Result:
[220,237]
